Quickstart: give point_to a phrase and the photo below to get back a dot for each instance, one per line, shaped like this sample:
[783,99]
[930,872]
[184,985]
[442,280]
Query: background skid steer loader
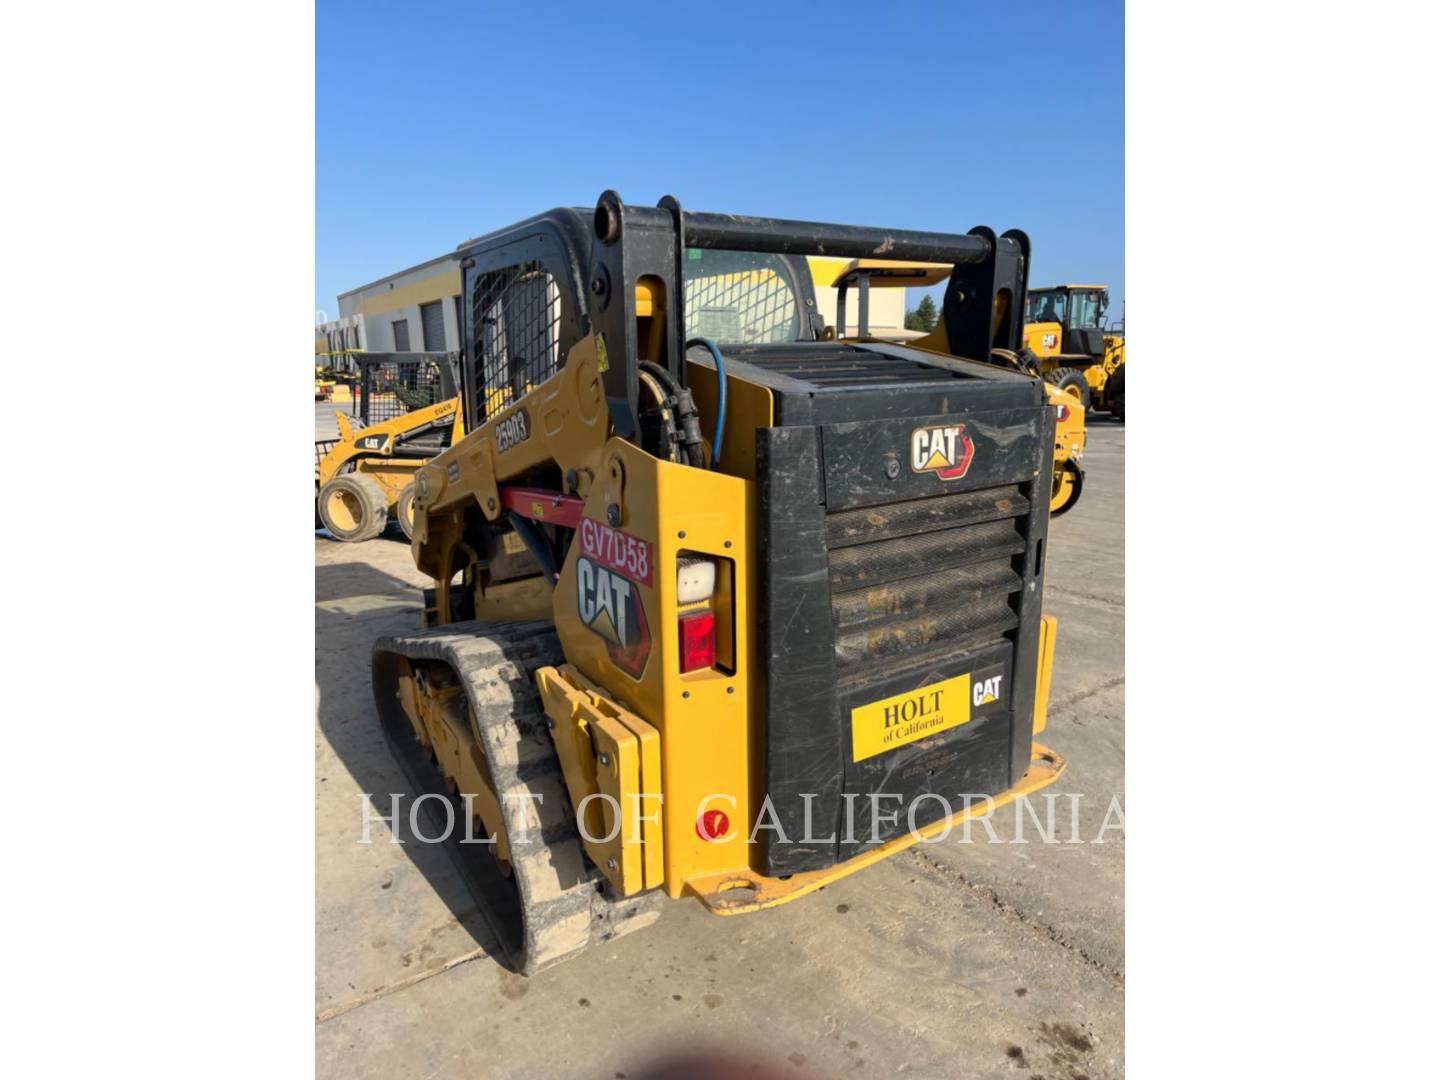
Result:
[722,609]
[405,411]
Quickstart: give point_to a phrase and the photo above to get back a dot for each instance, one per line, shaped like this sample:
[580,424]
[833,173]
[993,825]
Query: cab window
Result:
[1084,311]
[1045,307]
[740,297]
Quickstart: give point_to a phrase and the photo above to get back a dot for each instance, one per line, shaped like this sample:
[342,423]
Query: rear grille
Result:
[841,365]
[912,580]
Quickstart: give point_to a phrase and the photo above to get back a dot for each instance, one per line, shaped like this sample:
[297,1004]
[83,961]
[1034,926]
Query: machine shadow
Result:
[463,877]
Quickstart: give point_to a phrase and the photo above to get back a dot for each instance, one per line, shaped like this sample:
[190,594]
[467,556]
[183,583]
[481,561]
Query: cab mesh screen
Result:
[516,312]
[392,388]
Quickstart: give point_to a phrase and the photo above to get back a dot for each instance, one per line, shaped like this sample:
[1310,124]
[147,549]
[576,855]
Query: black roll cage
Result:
[598,258]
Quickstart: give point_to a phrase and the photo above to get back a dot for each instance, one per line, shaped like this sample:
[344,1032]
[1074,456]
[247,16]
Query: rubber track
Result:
[562,906]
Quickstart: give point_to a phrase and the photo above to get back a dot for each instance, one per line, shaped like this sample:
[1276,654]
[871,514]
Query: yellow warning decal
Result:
[909,717]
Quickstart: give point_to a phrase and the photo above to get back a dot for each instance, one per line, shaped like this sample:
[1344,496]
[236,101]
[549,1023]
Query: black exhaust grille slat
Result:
[908,556]
[860,674]
[923,578]
[926,593]
[954,628]
[872,523]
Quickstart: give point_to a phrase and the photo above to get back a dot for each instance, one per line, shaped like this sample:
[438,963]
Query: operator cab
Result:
[1080,311]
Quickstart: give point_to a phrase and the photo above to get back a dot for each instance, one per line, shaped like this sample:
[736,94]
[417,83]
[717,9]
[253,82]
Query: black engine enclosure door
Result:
[904,500]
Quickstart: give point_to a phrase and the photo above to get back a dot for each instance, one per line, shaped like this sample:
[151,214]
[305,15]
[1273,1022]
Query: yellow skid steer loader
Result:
[724,607]
[408,411]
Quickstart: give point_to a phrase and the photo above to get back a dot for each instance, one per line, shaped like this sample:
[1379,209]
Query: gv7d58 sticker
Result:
[1048,341]
[373,442]
[610,605]
[620,551]
[944,450]
[512,431]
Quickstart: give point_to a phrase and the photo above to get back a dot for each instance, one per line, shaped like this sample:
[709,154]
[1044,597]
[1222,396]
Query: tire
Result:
[405,510]
[1072,382]
[353,507]
[1117,394]
[1065,487]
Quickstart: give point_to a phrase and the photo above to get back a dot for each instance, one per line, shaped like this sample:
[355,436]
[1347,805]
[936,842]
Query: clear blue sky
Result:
[439,121]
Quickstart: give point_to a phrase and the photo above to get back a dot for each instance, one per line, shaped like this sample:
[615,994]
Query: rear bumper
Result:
[739,894]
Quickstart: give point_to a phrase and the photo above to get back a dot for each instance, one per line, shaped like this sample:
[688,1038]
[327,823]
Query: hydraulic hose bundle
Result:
[679,420]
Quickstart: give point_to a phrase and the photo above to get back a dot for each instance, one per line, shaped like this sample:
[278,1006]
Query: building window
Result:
[432,326]
[402,334]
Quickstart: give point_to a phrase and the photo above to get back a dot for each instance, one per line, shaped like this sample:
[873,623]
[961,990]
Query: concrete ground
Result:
[954,959]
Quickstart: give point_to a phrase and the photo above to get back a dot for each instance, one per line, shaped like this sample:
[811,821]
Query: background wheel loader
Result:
[723,607]
[1065,329]
[408,411]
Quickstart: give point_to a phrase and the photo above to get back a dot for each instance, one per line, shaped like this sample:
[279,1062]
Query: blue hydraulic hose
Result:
[720,409]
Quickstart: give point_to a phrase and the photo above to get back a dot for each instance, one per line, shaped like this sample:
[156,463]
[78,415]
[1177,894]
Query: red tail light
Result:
[697,641]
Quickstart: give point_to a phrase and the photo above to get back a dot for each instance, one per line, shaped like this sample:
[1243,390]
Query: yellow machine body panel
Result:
[1049,630]
[882,272]
[748,406]
[702,717]
[1043,339]
[611,762]
[1114,353]
[741,894]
